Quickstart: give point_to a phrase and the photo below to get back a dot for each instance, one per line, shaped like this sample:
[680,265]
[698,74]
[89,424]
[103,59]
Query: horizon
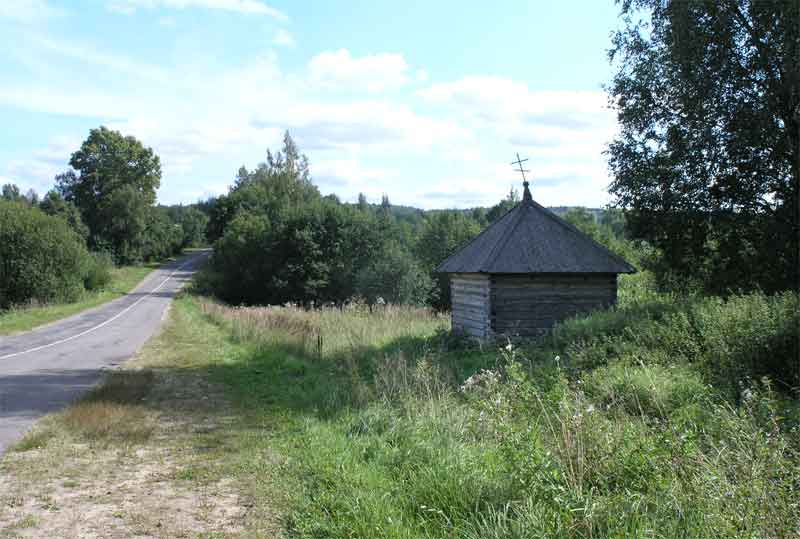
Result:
[431,119]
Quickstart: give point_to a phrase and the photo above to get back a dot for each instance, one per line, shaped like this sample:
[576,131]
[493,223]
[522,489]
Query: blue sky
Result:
[425,101]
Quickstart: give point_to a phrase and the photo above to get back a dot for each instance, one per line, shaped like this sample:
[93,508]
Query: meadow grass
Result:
[649,420]
[24,318]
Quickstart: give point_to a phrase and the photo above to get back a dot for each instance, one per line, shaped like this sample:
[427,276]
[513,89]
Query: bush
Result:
[396,277]
[99,271]
[41,257]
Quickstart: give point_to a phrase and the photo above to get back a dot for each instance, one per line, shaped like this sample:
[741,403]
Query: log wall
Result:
[530,305]
[469,293]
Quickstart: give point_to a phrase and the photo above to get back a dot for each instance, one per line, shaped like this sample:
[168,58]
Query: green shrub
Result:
[750,336]
[98,274]
[41,257]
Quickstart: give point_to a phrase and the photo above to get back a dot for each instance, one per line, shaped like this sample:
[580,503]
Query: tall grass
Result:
[321,332]
[655,419]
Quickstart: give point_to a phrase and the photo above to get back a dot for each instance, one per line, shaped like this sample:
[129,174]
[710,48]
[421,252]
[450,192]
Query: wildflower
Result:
[590,409]
[509,347]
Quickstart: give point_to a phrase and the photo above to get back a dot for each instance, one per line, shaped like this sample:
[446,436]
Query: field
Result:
[655,419]
[123,280]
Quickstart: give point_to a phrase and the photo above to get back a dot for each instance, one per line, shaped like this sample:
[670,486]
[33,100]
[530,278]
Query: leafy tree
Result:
[41,257]
[11,192]
[161,237]
[504,206]
[113,183]
[54,204]
[193,222]
[32,197]
[275,187]
[583,220]
[707,159]
[442,235]
[396,277]
[363,204]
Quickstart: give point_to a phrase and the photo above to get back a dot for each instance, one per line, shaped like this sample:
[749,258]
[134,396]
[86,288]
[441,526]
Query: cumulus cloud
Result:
[359,119]
[562,132]
[361,124]
[250,7]
[336,70]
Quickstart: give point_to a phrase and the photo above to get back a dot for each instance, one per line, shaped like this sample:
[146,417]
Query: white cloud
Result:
[93,55]
[452,152]
[562,132]
[28,10]
[251,7]
[283,38]
[359,124]
[334,70]
[348,177]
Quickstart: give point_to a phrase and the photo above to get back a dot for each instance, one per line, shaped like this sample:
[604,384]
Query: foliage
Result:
[54,204]
[10,192]
[503,207]
[98,273]
[113,183]
[161,237]
[394,276]
[41,257]
[442,235]
[193,222]
[282,242]
[707,156]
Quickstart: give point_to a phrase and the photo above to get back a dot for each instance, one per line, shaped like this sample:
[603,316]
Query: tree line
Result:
[277,239]
[100,213]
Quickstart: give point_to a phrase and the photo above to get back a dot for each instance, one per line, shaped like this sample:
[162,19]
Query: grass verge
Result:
[123,280]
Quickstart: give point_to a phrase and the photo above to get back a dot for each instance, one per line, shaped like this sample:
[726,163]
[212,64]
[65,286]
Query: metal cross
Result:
[521,170]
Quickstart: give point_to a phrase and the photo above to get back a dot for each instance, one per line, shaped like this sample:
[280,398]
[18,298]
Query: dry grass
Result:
[320,332]
[114,410]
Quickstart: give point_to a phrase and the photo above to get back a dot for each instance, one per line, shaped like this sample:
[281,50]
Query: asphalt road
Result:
[45,369]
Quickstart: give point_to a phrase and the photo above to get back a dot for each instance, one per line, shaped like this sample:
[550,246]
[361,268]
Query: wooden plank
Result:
[473,296]
[470,276]
[482,292]
[469,307]
[527,299]
[532,318]
[526,305]
[551,278]
[472,315]
[565,287]
[474,301]
[475,321]
[470,287]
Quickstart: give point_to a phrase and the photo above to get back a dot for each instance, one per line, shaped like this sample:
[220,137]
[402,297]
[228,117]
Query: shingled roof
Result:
[532,239]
